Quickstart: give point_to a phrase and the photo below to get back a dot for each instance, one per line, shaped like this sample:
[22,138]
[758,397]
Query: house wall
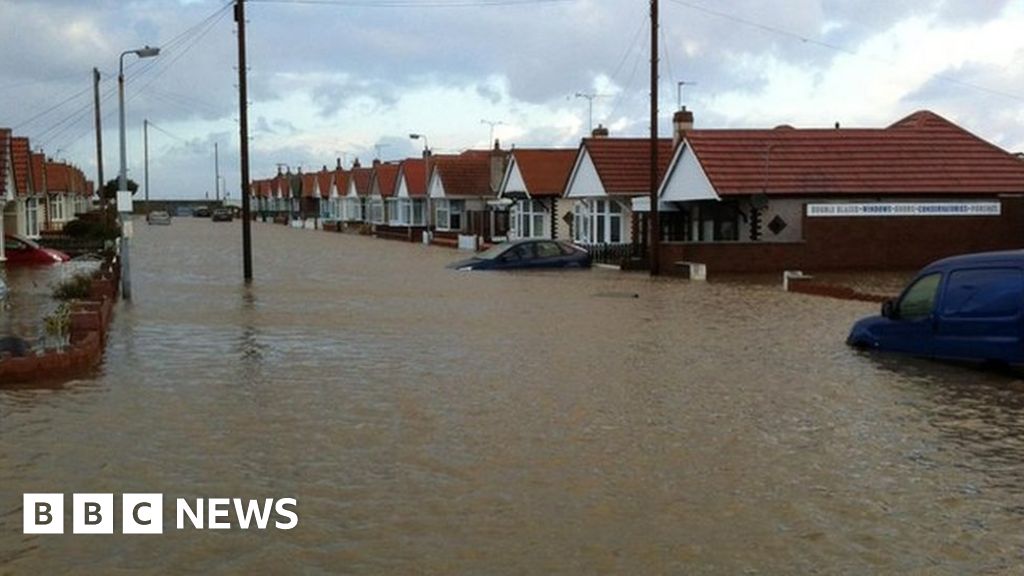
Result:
[862,243]
[563,206]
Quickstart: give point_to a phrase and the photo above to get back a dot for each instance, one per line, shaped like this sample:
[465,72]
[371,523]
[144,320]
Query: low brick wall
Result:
[404,233]
[90,320]
[834,291]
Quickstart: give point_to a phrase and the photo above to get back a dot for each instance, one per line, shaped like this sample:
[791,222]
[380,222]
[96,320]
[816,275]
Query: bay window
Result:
[528,219]
[598,222]
[448,214]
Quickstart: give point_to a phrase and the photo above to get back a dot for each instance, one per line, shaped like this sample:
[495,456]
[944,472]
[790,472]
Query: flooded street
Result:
[437,422]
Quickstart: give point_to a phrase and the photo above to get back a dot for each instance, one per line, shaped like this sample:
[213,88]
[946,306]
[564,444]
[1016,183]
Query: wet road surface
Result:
[437,422]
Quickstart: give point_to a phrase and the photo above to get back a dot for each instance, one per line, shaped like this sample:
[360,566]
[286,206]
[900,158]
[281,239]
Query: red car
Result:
[20,250]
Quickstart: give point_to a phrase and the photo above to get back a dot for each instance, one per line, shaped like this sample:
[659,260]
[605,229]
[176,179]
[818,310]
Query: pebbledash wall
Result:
[862,242]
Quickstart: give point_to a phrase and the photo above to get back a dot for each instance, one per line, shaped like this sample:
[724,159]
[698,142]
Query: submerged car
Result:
[527,254]
[223,215]
[22,251]
[158,217]
[964,308]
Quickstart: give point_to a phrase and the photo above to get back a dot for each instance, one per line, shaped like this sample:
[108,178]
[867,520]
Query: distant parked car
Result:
[526,254]
[961,308]
[201,212]
[223,215]
[158,217]
[22,251]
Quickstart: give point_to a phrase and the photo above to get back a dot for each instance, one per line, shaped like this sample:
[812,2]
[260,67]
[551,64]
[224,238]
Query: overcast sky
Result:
[344,79]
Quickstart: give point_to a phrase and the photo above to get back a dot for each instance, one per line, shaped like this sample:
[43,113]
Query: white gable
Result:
[402,187]
[436,188]
[686,180]
[513,181]
[8,177]
[584,181]
[351,192]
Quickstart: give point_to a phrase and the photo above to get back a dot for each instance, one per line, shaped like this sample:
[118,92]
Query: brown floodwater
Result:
[438,422]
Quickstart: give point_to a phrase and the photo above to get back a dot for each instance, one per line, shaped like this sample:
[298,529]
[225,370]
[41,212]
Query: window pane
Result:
[599,236]
[983,293]
[548,250]
[919,299]
[615,227]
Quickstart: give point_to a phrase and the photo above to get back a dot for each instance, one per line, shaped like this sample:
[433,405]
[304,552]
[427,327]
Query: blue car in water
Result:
[527,254]
[961,308]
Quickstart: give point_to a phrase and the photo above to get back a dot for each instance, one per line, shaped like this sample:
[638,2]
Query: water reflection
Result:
[441,422]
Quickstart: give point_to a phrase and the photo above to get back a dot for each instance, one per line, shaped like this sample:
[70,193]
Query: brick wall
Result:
[886,243]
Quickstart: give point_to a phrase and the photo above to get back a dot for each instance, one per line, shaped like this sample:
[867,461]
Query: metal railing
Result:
[628,256]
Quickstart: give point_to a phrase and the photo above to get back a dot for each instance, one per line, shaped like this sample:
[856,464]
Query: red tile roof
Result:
[5,141]
[545,170]
[920,154]
[624,164]
[62,178]
[385,176]
[414,171]
[323,179]
[341,181]
[38,177]
[468,174]
[360,177]
[58,177]
[279,186]
[21,157]
[308,185]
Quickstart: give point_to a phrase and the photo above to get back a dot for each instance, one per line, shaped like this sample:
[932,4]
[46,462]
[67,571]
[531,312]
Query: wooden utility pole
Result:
[99,140]
[243,127]
[654,228]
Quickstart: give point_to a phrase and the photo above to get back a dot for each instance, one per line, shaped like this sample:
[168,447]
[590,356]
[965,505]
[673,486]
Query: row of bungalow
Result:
[735,200]
[37,194]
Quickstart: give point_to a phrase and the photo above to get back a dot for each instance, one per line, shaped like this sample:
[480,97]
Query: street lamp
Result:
[122,176]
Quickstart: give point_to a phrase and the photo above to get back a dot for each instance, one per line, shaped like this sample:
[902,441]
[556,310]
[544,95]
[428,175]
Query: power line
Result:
[415,4]
[835,47]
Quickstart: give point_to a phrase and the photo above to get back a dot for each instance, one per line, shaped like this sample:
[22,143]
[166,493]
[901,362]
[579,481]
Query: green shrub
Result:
[91,229]
[76,287]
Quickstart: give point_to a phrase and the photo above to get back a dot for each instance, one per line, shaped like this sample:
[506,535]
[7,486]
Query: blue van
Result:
[961,308]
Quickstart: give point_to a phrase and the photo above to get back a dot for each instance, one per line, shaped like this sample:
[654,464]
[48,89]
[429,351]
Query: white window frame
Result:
[444,210]
[376,210]
[55,206]
[594,220]
[31,217]
[529,219]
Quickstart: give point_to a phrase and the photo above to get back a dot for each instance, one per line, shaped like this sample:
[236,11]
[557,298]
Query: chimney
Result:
[498,159]
[682,122]
[339,164]
[376,162]
[599,132]
[356,164]
[324,168]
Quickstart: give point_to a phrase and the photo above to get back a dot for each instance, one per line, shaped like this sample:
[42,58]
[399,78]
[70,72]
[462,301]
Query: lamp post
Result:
[122,175]
[426,178]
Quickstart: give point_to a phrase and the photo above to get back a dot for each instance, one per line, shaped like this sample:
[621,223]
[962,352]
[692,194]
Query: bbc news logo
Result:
[143,514]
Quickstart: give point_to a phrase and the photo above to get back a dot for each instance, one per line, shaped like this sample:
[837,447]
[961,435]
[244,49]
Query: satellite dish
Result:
[759,201]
